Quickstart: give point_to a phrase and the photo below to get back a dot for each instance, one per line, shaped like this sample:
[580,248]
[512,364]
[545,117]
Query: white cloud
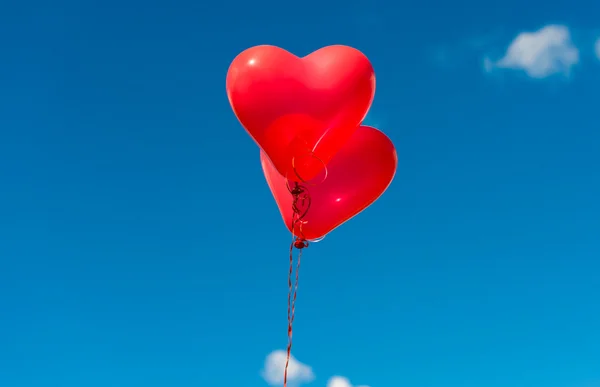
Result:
[540,54]
[298,373]
[597,48]
[339,381]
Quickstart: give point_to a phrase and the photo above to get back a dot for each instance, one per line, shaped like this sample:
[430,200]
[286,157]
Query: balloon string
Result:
[300,199]
[292,294]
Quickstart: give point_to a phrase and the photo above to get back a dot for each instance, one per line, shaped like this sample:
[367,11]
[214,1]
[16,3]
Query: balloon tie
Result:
[300,206]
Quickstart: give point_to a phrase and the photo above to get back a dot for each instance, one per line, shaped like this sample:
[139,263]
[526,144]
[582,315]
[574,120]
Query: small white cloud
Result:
[597,48]
[339,381]
[540,54]
[298,373]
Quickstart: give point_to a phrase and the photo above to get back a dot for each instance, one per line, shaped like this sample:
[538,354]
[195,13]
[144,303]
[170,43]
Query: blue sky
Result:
[140,245]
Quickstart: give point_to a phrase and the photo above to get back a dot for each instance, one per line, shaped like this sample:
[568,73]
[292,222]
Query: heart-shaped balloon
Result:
[300,111]
[356,176]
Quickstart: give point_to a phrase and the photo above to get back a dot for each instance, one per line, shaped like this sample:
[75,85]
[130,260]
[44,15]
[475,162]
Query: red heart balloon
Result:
[356,176]
[300,111]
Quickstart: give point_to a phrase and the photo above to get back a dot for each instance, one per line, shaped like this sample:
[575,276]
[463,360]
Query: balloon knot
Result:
[300,243]
[297,190]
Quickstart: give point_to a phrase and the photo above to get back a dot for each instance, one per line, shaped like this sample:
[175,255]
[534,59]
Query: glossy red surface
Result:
[356,177]
[300,111]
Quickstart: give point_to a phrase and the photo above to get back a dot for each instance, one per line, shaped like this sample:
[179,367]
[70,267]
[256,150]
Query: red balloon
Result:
[356,177]
[300,111]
